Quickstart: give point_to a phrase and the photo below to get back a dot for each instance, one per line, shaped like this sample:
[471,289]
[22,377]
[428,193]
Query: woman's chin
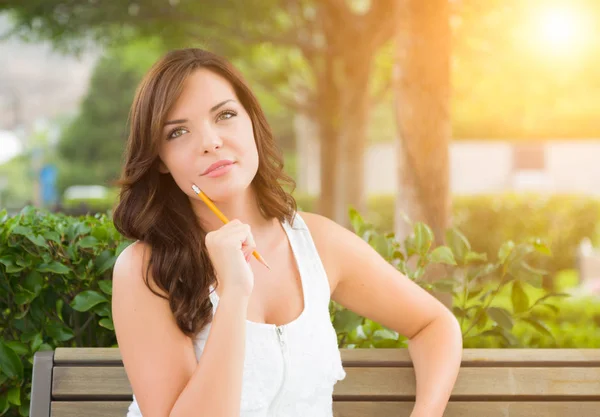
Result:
[225,192]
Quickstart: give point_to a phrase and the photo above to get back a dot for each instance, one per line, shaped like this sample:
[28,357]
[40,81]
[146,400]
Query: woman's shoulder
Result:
[321,228]
[131,268]
[325,235]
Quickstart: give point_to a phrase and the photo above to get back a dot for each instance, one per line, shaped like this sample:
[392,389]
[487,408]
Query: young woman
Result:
[203,328]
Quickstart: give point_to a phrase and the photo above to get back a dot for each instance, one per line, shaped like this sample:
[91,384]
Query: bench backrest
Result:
[380,382]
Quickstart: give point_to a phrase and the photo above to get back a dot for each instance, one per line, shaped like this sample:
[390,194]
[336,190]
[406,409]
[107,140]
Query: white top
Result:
[289,370]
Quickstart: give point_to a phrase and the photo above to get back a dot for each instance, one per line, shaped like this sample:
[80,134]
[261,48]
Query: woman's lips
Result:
[220,171]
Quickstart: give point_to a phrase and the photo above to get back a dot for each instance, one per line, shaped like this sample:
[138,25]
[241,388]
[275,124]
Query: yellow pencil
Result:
[224,219]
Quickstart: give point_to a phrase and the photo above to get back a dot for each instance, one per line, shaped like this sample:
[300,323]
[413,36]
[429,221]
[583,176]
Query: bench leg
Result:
[41,386]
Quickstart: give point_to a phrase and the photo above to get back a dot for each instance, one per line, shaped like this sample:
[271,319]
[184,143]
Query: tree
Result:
[92,145]
[423,116]
[327,50]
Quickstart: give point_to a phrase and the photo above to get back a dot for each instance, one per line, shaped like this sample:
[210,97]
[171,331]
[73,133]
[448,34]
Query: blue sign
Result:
[48,175]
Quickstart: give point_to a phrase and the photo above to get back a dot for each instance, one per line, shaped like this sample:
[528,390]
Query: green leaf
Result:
[380,244]
[520,300]
[442,255]
[444,285]
[122,246]
[423,238]
[505,250]
[107,323]
[53,236]
[38,240]
[385,334]
[539,326]
[36,342]
[458,243]
[22,230]
[87,299]
[24,409]
[104,261]
[24,297]
[103,310]
[18,347]
[552,307]
[501,316]
[7,261]
[541,247]
[9,362]
[59,332]
[418,273]
[3,403]
[59,308]
[88,242]
[82,229]
[55,267]
[346,321]
[356,220]
[475,257]
[14,395]
[33,282]
[28,336]
[10,265]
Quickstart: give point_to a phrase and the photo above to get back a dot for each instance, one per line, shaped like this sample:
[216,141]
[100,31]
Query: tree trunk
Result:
[355,114]
[342,72]
[423,116]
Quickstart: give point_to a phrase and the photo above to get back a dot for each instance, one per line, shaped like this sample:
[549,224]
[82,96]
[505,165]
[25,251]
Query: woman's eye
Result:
[227,114]
[175,133]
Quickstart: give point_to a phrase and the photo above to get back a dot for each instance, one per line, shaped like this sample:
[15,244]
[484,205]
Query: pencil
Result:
[224,219]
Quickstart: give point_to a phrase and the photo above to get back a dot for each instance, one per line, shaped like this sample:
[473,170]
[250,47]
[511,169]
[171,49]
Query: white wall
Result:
[482,166]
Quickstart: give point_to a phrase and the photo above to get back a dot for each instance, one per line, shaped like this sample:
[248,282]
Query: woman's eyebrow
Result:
[220,104]
[175,122]
[178,121]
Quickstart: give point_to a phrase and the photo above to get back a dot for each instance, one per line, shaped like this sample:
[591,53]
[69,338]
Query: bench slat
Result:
[462,409]
[380,409]
[89,408]
[389,357]
[483,383]
[370,383]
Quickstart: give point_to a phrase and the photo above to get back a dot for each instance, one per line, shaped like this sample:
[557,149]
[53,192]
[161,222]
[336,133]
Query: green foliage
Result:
[561,220]
[93,144]
[490,220]
[497,302]
[55,288]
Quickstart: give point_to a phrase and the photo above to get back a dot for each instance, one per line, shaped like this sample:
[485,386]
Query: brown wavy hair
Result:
[154,210]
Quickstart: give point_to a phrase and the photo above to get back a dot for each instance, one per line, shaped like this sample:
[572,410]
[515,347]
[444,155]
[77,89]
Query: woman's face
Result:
[208,124]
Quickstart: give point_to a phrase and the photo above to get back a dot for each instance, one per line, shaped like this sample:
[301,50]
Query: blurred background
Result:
[482,115]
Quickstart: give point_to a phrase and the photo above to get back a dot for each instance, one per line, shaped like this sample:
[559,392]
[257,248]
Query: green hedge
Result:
[55,288]
[489,220]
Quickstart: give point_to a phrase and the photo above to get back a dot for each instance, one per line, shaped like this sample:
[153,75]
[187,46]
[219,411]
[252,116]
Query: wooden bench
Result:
[74,382]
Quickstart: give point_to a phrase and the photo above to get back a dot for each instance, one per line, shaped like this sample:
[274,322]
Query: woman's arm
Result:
[159,359]
[364,282]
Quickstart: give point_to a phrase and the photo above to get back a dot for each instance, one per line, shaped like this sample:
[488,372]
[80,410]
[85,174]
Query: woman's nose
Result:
[210,141]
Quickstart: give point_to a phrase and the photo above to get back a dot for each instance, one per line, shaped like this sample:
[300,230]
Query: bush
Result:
[490,220]
[498,303]
[562,220]
[55,286]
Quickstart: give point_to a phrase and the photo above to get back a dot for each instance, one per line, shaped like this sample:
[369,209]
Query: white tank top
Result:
[289,370]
